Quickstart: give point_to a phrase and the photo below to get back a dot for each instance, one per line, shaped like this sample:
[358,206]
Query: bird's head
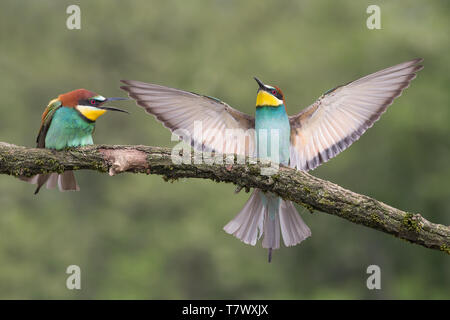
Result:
[268,95]
[88,103]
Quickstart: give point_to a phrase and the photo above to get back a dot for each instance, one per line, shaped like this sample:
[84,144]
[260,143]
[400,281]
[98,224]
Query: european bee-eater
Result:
[68,121]
[305,140]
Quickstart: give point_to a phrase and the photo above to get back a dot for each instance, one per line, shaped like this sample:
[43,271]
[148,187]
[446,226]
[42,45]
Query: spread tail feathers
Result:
[65,181]
[268,214]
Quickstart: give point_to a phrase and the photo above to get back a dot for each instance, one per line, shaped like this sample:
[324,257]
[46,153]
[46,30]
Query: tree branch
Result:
[297,186]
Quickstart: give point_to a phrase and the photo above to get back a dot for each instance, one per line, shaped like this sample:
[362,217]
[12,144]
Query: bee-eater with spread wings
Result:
[306,140]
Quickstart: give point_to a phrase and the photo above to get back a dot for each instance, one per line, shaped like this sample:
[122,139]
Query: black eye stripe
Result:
[277,94]
[89,102]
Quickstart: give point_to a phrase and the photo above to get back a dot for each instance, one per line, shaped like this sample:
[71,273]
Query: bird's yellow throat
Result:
[92,113]
[266,99]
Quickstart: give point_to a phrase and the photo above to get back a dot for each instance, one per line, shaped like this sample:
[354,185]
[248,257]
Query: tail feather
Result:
[32,179]
[52,181]
[269,215]
[248,224]
[271,221]
[293,229]
[42,178]
[65,181]
[271,231]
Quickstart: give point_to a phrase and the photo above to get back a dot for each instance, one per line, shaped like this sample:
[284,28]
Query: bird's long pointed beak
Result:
[261,85]
[116,99]
[113,108]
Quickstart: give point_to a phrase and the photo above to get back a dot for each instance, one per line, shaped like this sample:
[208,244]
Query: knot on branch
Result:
[122,160]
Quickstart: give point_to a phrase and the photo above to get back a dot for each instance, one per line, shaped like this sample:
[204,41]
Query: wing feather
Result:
[178,109]
[47,117]
[342,115]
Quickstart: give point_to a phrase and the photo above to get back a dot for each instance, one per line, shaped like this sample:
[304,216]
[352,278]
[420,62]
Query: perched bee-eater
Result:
[68,121]
[305,140]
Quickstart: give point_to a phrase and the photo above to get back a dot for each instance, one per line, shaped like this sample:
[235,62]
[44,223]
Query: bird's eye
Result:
[274,92]
[92,101]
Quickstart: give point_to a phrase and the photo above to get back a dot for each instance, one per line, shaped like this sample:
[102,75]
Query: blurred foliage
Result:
[136,236]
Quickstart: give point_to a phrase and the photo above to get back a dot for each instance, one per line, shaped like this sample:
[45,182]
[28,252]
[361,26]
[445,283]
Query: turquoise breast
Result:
[272,122]
[68,129]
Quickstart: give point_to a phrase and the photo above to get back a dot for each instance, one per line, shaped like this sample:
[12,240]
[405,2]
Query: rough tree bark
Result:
[297,186]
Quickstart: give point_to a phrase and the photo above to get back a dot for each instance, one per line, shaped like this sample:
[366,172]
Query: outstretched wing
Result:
[47,117]
[223,129]
[339,117]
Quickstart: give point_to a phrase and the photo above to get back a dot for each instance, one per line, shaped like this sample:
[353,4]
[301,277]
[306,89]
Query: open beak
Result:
[261,85]
[112,108]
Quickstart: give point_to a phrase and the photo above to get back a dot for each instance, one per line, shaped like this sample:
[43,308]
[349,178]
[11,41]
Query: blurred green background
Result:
[136,236]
